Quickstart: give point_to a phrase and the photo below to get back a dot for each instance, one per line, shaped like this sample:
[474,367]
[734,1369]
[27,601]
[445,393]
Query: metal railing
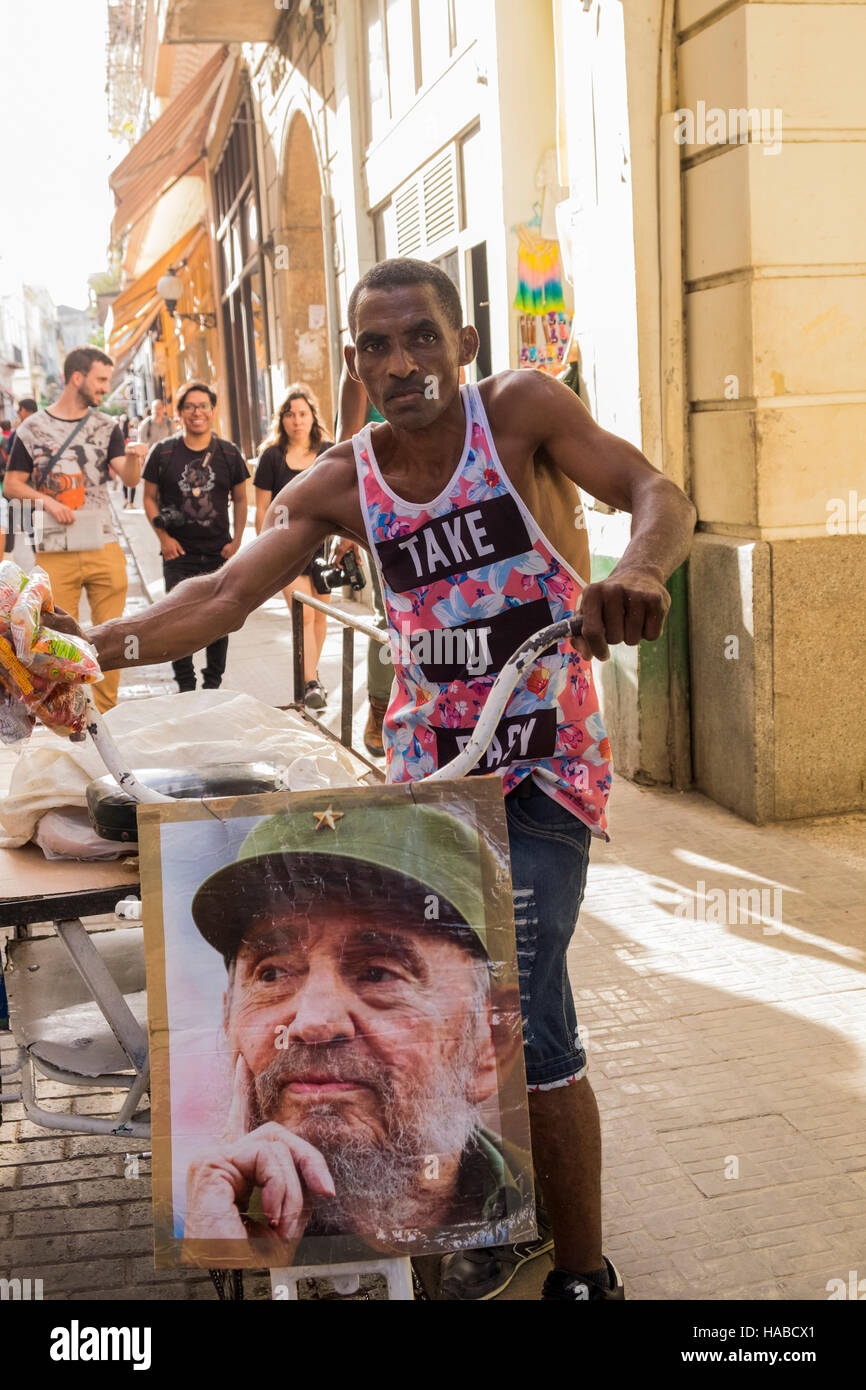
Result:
[350,626]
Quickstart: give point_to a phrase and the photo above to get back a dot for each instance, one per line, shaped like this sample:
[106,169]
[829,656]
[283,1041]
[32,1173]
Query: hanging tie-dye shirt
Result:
[466,579]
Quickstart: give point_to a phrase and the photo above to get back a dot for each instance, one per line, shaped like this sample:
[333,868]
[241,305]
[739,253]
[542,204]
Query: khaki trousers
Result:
[102,576]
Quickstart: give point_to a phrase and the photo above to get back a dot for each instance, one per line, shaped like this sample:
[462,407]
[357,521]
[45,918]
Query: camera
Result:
[169,519]
[327,577]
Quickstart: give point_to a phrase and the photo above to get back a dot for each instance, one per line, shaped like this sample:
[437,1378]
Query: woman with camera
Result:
[295,442]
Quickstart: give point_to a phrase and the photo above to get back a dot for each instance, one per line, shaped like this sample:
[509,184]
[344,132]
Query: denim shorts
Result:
[549,859]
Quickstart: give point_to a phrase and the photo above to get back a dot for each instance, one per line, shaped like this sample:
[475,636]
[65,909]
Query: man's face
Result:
[158,411]
[196,411]
[369,1040]
[407,355]
[92,387]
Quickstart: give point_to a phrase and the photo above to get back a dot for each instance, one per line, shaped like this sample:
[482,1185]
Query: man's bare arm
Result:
[201,610]
[150,502]
[631,604]
[240,507]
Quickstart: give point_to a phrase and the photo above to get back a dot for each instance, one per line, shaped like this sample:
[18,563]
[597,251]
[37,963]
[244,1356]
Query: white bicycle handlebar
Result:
[499,695]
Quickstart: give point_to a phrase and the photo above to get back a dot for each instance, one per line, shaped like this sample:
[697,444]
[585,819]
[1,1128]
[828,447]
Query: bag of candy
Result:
[25,614]
[43,669]
[12,581]
[15,723]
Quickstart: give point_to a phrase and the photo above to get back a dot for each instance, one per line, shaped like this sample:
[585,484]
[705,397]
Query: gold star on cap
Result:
[328,818]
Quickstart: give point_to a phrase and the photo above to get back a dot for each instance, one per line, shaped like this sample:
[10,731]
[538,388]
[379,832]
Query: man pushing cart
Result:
[466,498]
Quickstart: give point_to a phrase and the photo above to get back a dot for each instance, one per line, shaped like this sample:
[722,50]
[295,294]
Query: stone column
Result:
[774,262]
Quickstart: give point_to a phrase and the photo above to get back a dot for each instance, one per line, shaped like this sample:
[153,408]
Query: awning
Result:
[172,147]
[129,341]
[134,311]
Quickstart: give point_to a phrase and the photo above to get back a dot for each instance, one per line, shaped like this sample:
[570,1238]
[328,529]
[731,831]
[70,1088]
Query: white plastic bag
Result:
[68,834]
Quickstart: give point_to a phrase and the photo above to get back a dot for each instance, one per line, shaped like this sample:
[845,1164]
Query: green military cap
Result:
[415,860]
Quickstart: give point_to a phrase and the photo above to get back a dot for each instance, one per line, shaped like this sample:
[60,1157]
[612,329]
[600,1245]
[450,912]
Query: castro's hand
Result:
[629,606]
[220,1181]
[231,549]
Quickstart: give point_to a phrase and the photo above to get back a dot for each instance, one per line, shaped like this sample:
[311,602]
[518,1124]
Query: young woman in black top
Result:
[295,442]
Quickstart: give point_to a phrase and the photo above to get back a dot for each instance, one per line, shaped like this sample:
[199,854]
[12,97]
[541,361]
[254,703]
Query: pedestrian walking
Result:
[5,436]
[132,440]
[62,459]
[189,480]
[26,407]
[465,497]
[155,426]
[152,430]
[295,441]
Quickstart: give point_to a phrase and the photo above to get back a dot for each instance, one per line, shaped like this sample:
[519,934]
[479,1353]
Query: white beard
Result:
[378,1181]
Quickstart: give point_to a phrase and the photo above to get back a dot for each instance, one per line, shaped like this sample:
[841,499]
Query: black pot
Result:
[112,811]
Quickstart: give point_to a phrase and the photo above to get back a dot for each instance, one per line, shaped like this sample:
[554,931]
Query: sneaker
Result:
[315,695]
[566,1287]
[477,1275]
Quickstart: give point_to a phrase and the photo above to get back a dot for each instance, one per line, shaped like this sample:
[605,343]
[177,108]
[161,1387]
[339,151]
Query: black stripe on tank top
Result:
[476,649]
[523,738]
[468,538]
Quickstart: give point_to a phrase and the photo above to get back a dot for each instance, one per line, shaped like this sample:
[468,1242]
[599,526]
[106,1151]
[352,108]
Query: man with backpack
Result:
[188,481]
[156,425]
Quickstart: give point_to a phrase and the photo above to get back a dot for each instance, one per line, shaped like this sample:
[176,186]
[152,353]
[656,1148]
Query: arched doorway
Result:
[300,270]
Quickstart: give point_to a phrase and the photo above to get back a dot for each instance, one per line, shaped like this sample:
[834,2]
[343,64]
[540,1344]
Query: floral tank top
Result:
[466,579]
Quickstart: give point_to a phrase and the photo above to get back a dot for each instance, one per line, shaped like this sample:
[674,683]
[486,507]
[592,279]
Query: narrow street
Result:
[728,1056]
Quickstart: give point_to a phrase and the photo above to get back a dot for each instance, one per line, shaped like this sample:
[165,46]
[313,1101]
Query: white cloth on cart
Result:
[172,731]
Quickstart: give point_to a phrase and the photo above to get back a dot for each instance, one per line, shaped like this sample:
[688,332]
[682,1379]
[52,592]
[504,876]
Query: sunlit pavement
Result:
[726,1039]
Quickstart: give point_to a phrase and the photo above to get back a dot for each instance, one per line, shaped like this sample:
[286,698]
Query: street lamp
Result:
[170,287]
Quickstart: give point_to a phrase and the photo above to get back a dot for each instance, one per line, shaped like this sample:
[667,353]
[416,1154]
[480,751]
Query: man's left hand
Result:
[629,606]
[231,549]
[61,621]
